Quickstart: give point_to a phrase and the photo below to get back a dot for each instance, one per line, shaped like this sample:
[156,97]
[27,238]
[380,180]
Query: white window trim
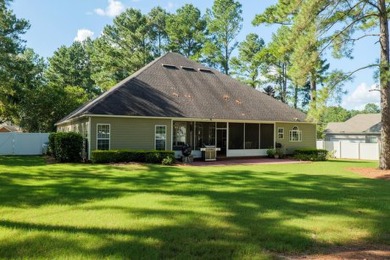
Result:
[155,136]
[282,128]
[97,135]
[299,132]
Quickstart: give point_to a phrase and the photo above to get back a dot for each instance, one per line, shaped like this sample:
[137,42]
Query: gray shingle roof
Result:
[174,86]
[361,123]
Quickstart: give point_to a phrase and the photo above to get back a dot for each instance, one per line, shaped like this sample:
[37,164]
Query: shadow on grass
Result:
[251,210]
[17,161]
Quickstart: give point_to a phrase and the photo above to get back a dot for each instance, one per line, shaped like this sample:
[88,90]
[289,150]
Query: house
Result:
[174,101]
[362,128]
[6,128]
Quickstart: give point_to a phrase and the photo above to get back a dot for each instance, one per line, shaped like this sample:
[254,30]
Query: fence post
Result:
[340,155]
[359,151]
[13,143]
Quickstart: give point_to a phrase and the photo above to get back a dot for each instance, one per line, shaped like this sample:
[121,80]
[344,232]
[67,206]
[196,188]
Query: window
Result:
[103,137]
[236,136]
[371,139]
[251,136]
[280,133]
[295,135]
[160,137]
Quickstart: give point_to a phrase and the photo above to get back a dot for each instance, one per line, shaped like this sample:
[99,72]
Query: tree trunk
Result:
[384,161]
[296,97]
[313,89]
[285,83]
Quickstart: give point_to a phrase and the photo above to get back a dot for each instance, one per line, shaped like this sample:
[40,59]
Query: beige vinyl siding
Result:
[78,126]
[308,136]
[131,133]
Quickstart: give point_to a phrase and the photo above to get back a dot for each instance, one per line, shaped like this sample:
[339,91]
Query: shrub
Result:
[153,157]
[311,154]
[168,160]
[116,156]
[51,147]
[271,153]
[66,147]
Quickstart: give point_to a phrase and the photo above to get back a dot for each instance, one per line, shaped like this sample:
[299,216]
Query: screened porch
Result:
[233,139]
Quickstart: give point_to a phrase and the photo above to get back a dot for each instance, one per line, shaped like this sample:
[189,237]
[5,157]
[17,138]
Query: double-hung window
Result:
[160,137]
[103,137]
[295,135]
[280,133]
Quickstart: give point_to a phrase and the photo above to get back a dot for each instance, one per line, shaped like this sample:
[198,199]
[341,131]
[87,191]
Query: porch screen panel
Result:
[266,136]
[205,134]
[183,134]
[236,136]
[251,136]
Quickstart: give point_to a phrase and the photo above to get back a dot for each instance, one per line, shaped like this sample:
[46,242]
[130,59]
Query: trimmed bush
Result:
[51,147]
[66,147]
[117,156]
[311,154]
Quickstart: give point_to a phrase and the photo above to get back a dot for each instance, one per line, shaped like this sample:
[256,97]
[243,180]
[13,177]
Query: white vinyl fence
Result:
[347,150]
[22,143]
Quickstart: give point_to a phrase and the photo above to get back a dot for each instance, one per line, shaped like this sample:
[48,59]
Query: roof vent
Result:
[187,68]
[170,66]
[205,70]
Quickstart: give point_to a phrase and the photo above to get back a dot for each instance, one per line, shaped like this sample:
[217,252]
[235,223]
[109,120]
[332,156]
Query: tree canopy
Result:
[11,49]
[186,31]
[319,25]
[224,22]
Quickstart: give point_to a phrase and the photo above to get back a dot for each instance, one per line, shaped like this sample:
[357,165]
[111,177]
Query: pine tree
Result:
[246,67]
[224,22]
[11,47]
[71,66]
[318,25]
[157,20]
[124,47]
[186,31]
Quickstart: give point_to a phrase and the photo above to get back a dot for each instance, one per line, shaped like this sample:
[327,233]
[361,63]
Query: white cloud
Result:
[83,34]
[170,6]
[113,9]
[361,96]
[100,11]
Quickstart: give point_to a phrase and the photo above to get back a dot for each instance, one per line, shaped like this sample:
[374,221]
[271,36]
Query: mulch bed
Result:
[372,173]
[376,253]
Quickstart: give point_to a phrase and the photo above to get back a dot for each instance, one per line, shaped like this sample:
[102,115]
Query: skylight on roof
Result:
[170,66]
[187,68]
[205,70]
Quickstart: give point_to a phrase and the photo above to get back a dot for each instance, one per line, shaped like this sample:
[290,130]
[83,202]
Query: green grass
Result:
[151,211]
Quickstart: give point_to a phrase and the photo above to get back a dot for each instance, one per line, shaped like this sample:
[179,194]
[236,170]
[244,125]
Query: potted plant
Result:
[278,153]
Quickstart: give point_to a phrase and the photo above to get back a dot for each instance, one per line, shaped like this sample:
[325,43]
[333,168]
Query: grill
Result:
[210,152]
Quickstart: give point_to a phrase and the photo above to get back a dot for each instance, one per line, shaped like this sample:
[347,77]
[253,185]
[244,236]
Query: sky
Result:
[60,22]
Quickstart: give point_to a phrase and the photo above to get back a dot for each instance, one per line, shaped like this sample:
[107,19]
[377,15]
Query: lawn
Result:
[152,211]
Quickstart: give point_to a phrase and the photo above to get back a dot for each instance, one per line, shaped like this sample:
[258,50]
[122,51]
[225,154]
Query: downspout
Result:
[89,138]
[171,135]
